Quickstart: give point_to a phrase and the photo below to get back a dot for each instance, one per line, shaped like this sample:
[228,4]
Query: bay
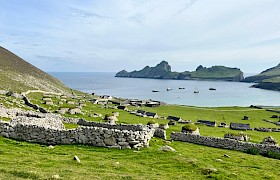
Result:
[226,93]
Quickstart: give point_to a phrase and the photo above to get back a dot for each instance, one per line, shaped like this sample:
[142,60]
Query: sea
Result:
[226,93]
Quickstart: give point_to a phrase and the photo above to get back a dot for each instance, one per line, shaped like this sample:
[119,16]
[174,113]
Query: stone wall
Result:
[223,143]
[82,122]
[95,136]
[160,133]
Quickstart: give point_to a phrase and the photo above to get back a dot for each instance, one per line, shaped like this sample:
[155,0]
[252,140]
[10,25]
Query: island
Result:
[163,71]
[268,79]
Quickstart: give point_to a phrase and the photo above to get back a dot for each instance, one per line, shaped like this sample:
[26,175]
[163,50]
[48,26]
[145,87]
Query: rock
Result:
[269,141]
[219,160]
[3,92]
[134,142]
[225,155]
[123,143]
[209,171]
[49,103]
[76,158]
[161,133]
[167,148]
[56,176]
[111,141]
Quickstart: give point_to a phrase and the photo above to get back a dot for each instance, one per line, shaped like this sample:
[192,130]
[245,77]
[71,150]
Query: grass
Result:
[18,75]
[22,160]
[33,161]
[5,119]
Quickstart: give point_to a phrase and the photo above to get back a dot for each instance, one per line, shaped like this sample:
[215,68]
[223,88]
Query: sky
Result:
[112,35]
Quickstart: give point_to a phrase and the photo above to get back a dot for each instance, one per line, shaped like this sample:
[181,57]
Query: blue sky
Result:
[111,35]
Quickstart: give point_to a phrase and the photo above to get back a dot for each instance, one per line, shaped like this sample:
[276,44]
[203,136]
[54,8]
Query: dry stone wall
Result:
[48,128]
[224,143]
[95,136]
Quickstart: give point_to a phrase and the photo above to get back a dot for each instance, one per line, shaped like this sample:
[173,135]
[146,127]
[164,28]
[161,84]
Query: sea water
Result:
[226,93]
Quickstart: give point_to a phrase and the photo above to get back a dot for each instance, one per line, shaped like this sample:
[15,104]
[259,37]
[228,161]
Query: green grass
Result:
[20,160]
[70,126]
[5,119]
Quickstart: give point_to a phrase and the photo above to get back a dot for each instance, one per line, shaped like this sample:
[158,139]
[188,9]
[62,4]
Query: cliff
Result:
[163,71]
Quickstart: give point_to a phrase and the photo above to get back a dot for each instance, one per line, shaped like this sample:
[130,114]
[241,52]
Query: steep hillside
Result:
[18,75]
[268,79]
[163,71]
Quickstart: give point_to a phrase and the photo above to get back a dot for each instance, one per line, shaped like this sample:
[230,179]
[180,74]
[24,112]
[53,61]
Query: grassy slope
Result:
[271,75]
[21,160]
[25,160]
[18,75]
[216,72]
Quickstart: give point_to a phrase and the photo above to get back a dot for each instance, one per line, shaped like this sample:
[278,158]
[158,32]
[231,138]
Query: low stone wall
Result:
[223,143]
[95,136]
[82,122]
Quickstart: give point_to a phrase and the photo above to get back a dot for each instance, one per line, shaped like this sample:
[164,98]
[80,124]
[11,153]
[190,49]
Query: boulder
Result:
[167,148]
[76,158]
[3,92]
[110,141]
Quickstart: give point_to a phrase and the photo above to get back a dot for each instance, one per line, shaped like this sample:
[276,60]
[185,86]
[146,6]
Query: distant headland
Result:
[163,71]
[268,79]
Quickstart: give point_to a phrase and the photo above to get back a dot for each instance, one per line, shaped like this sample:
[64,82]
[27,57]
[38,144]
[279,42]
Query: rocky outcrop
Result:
[163,71]
[158,72]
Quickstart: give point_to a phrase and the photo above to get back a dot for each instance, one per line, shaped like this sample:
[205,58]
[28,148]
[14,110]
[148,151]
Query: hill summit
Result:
[163,71]
[19,75]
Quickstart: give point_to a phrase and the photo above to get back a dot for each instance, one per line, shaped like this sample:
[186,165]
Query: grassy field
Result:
[22,160]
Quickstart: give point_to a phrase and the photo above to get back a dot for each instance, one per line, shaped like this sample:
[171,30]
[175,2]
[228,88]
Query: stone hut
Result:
[94,101]
[115,102]
[106,97]
[151,115]
[122,108]
[153,104]
[207,123]
[173,118]
[240,126]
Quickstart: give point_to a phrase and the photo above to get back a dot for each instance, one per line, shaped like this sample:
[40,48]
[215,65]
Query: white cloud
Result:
[113,35]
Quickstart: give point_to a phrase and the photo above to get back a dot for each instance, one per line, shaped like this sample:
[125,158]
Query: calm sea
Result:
[226,94]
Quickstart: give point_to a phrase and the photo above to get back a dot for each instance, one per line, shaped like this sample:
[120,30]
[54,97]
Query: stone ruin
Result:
[47,128]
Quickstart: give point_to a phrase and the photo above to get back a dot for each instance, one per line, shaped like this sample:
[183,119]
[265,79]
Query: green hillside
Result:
[18,75]
[268,79]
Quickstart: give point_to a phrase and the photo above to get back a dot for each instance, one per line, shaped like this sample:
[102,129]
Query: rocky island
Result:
[163,71]
[268,79]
